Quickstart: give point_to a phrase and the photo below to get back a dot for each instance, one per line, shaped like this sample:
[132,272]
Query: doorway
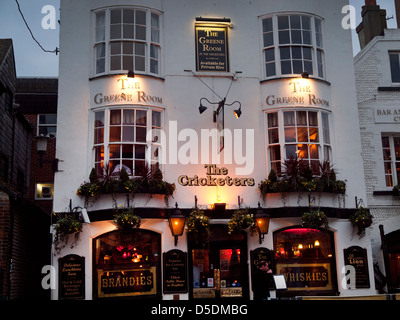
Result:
[219,268]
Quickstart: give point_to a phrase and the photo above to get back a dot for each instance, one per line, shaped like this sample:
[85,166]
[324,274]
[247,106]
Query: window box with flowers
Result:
[299,177]
[147,182]
[314,219]
[242,219]
[361,219]
[64,228]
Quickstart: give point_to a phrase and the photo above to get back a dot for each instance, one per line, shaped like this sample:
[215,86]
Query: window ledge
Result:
[388,88]
[384,193]
[287,78]
[124,74]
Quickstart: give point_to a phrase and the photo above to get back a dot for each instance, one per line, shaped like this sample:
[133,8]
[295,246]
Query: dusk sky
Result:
[32,61]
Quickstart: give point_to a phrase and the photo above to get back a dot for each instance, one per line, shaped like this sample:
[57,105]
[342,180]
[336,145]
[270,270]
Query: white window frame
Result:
[149,159]
[324,144]
[148,42]
[392,161]
[39,125]
[277,52]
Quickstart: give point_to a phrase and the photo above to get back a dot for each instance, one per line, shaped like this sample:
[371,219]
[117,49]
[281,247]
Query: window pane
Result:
[396,141]
[140,17]
[290,134]
[296,53]
[288,118]
[153,66]
[140,134]
[386,155]
[272,120]
[47,119]
[307,37]
[115,63]
[286,67]
[290,151]
[127,151]
[301,118]
[115,16]
[388,167]
[283,22]
[313,134]
[139,64]
[154,51]
[297,66]
[295,22]
[127,47]
[99,119]
[305,22]
[115,31]
[140,151]
[302,151]
[128,133]
[385,142]
[269,55]
[395,67]
[115,151]
[314,151]
[127,63]
[128,166]
[140,49]
[302,134]
[284,37]
[275,153]
[268,39]
[267,24]
[115,134]
[129,16]
[115,117]
[141,117]
[313,118]
[308,67]
[307,53]
[156,119]
[389,181]
[155,35]
[129,117]
[140,33]
[270,69]
[99,153]
[273,136]
[285,53]
[98,135]
[296,36]
[128,31]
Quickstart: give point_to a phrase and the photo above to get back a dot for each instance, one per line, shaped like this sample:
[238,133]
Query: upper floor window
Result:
[303,134]
[391,159]
[292,44]
[120,140]
[395,66]
[127,39]
[47,125]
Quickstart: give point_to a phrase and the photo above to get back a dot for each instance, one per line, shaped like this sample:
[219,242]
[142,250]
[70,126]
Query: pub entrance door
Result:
[218,269]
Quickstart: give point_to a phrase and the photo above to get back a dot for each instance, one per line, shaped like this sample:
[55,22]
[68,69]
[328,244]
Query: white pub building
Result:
[197,139]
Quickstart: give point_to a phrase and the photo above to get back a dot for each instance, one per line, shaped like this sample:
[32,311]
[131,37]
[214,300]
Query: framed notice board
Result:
[212,52]
[71,277]
[357,257]
[175,272]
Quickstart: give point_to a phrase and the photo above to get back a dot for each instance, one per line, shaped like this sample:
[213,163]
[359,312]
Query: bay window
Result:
[127,39]
[298,133]
[120,140]
[391,159]
[292,44]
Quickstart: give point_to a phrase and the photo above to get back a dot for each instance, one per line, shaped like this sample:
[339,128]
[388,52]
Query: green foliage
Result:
[314,219]
[361,219]
[242,219]
[65,227]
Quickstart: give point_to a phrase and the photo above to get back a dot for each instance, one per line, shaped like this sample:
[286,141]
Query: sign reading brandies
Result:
[212,48]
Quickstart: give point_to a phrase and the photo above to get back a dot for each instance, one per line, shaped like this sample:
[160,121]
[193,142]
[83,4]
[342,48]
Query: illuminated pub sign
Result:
[212,48]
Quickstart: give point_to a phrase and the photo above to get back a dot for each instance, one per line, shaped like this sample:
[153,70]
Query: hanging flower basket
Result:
[314,219]
[126,220]
[64,228]
[361,220]
[198,226]
[241,220]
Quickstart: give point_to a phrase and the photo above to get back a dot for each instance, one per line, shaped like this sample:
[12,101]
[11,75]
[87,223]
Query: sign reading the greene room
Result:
[212,48]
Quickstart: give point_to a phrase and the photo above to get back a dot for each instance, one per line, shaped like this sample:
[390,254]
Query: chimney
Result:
[373,22]
[397,5]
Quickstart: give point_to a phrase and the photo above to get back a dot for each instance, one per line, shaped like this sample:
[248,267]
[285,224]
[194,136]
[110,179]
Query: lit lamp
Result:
[262,222]
[176,223]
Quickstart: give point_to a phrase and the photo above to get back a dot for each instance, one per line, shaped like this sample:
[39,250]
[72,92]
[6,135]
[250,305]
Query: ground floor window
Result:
[127,264]
[306,258]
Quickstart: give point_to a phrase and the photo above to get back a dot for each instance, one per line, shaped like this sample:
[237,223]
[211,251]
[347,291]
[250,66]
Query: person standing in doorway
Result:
[262,281]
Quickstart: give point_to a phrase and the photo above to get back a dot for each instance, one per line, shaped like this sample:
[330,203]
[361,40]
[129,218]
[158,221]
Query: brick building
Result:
[377,74]
[24,226]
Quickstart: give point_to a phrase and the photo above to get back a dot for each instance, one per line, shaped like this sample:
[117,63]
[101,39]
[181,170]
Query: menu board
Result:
[357,257]
[175,272]
[71,277]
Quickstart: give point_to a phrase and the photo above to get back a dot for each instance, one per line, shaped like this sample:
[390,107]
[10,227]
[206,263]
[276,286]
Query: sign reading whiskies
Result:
[212,48]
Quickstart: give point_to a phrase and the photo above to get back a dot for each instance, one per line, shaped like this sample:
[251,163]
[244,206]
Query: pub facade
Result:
[196,140]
